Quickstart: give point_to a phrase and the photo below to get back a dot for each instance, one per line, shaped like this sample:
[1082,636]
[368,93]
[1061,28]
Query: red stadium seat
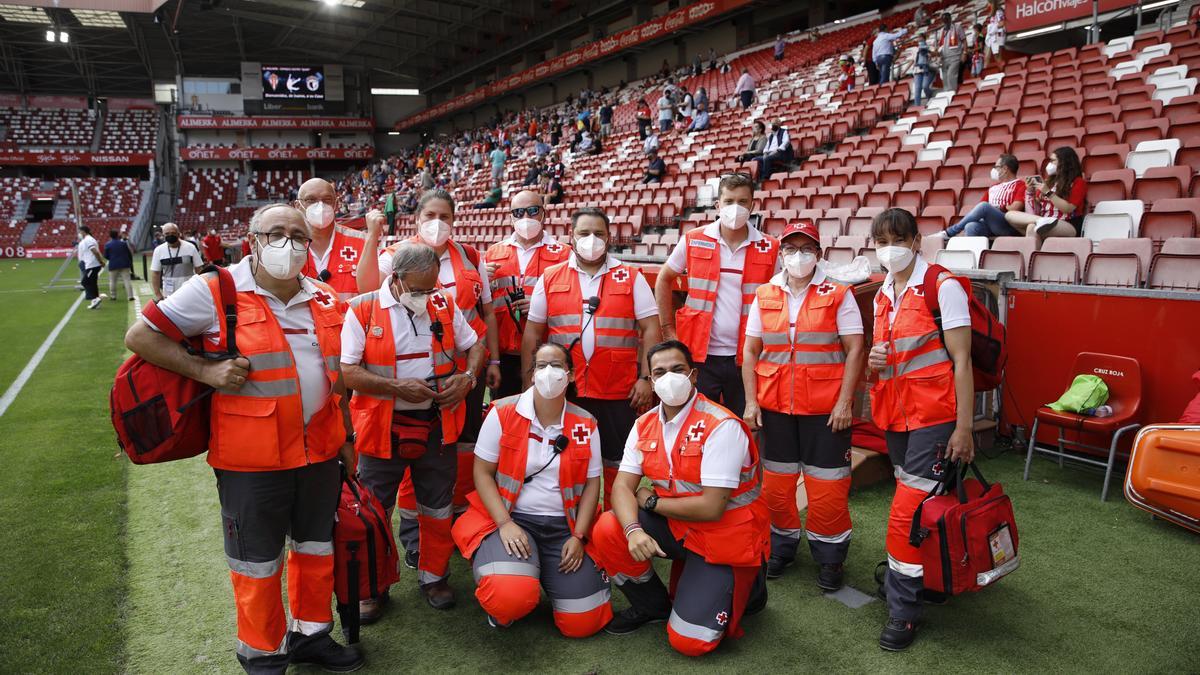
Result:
[1163,182]
[1104,186]
[1010,254]
[1177,272]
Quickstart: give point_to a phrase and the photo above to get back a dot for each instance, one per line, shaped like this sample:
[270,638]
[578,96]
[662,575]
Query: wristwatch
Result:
[651,502]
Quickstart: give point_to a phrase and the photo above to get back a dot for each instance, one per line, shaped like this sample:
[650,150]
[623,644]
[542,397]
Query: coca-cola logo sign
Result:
[700,10]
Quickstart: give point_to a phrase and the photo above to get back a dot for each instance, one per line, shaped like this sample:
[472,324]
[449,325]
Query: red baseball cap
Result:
[804,227]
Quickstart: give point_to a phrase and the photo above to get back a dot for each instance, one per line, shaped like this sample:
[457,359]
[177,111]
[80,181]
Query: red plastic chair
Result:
[1123,376]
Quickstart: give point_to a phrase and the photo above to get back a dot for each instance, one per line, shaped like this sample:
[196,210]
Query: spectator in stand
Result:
[977,52]
[493,198]
[540,147]
[606,115]
[687,106]
[923,74]
[643,118]
[883,50]
[868,58]
[778,150]
[950,49]
[987,218]
[214,248]
[666,112]
[701,121]
[120,264]
[498,159]
[846,79]
[553,191]
[1057,200]
[758,141]
[651,143]
[745,88]
[656,169]
[712,58]
[477,156]
[697,66]
[780,47]
[531,176]
[427,176]
[996,34]
[173,262]
[702,97]
[920,16]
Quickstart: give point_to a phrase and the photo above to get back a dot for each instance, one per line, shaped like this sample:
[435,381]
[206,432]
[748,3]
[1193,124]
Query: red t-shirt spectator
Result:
[213,250]
[1003,194]
[1077,197]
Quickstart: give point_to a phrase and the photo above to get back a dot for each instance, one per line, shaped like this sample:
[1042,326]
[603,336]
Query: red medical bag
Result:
[364,552]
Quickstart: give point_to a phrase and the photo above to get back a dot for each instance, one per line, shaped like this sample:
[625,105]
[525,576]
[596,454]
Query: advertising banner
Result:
[272,154]
[311,123]
[1025,14]
[23,158]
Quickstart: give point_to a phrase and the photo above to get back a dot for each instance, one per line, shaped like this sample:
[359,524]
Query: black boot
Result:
[776,566]
[412,559]
[275,664]
[831,577]
[323,651]
[649,603]
[897,634]
[629,620]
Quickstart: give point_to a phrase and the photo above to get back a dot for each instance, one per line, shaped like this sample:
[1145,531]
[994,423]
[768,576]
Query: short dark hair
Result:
[1010,162]
[436,193]
[589,211]
[733,181]
[668,345]
[85,229]
[113,234]
[562,348]
[894,221]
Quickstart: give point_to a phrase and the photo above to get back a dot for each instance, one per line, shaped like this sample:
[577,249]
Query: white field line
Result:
[27,372]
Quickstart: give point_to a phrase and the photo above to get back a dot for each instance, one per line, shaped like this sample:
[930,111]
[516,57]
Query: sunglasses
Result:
[531,211]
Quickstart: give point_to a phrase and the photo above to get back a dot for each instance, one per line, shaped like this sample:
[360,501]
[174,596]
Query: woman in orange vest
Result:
[703,512]
[279,425]
[604,313]
[537,488]
[803,356]
[923,398]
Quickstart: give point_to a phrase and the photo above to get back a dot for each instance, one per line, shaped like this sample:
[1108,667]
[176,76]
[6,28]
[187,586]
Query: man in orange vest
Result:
[923,398]
[514,267]
[335,251]
[603,312]
[725,263]
[402,352]
[803,357]
[279,424]
[703,512]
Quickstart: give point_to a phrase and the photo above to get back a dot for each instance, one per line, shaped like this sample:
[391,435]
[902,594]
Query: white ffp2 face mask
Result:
[434,232]
[800,264]
[282,262]
[550,381]
[995,173]
[734,216]
[591,248]
[414,303]
[894,258]
[527,228]
[1051,168]
[673,388]
[319,215]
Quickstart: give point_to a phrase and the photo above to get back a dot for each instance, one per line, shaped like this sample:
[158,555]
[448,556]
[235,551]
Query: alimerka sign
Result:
[305,123]
[630,37]
[1026,14]
[195,154]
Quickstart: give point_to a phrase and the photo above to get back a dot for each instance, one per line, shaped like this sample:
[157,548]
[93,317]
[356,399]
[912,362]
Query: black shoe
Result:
[275,664]
[411,558]
[776,566]
[323,651]
[831,577]
[630,619]
[897,635]
[438,594]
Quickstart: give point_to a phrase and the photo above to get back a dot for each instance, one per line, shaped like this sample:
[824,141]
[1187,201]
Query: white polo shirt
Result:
[726,450]
[192,309]
[542,495]
[84,252]
[952,300]
[849,319]
[589,286]
[727,313]
[524,255]
[175,264]
[413,337]
[446,276]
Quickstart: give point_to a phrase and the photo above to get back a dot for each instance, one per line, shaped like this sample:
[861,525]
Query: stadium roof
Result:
[426,44]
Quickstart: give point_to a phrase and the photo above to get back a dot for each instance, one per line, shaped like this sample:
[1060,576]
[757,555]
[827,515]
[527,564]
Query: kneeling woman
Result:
[537,486]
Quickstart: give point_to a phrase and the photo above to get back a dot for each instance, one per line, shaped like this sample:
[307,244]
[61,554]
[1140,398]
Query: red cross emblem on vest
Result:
[918,291]
[554,247]
[581,434]
[825,288]
[325,299]
[763,245]
[722,618]
[620,275]
[349,254]
[439,301]
[696,432]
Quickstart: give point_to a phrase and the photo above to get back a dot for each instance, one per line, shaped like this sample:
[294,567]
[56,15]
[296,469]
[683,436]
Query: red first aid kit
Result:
[160,415]
[1164,473]
[966,533]
[364,552]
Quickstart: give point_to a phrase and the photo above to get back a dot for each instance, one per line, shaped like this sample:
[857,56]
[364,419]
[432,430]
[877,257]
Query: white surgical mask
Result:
[673,388]
[414,303]
[734,216]
[550,381]
[434,232]
[282,262]
[800,264]
[591,248]
[319,215]
[894,258]
[1051,168]
[995,173]
[527,228]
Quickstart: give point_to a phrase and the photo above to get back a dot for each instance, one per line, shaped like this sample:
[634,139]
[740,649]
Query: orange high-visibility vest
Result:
[613,369]
[345,249]
[578,424]
[693,321]
[741,536]
[916,390]
[468,284]
[801,375]
[372,413]
[508,278]
[260,427]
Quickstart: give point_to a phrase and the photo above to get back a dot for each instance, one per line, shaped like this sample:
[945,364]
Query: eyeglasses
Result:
[309,202]
[531,211]
[788,249]
[280,239]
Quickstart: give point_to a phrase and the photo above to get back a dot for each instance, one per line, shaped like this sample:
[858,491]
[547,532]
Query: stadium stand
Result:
[208,198]
[274,184]
[48,128]
[130,131]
